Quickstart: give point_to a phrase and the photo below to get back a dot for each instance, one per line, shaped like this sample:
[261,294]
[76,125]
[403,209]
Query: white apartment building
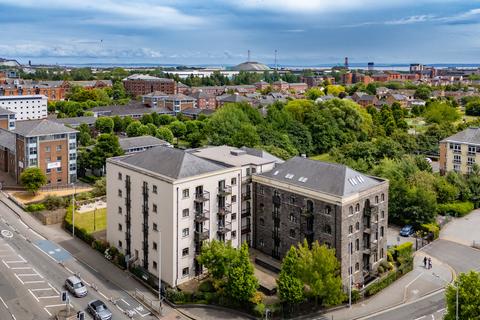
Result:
[27,107]
[249,161]
[163,203]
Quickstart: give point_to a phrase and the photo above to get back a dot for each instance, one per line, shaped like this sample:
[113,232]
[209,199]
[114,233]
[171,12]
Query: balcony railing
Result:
[224,190]
[247,212]
[276,235]
[246,229]
[224,227]
[202,235]
[202,196]
[202,216]
[224,209]
[246,195]
[307,212]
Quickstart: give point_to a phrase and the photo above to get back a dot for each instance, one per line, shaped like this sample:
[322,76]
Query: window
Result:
[33,150]
[120,227]
[261,190]
[328,210]
[375,257]
[292,199]
[376,199]
[185,193]
[233,181]
[234,216]
[262,221]
[59,158]
[185,271]
[381,253]
[234,198]
[262,243]
[47,149]
[350,210]
[382,231]
[185,252]
[456,167]
[120,244]
[59,147]
[154,263]
[59,169]
[185,232]
[154,208]
[234,234]
[357,207]
[383,197]
[357,266]
[472,150]
[154,189]
[119,192]
[155,227]
[119,176]
[293,217]
[120,210]
[357,226]
[48,170]
[457,158]
[350,229]
[185,213]
[470,161]
[249,171]
[292,233]
[357,244]
[327,229]
[254,170]
[382,214]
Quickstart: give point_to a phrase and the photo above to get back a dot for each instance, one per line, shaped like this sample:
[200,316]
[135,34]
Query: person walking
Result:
[429,263]
[425,259]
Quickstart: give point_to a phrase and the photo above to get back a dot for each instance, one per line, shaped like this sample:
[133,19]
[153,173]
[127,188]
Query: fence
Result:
[152,305]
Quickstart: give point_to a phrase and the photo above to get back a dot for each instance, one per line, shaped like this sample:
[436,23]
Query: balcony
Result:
[224,190]
[307,212]
[202,216]
[247,212]
[246,196]
[276,235]
[202,196]
[366,250]
[224,210]
[307,231]
[246,229]
[224,227]
[366,229]
[202,235]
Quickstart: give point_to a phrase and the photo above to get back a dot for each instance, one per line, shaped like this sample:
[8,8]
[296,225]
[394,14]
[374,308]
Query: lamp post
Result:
[350,272]
[73,211]
[456,292]
[160,311]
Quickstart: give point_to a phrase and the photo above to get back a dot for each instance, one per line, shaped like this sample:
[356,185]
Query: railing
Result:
[202,196]
[246,212]
[246,229]
[224,227]
[307,212]
[224,190]
[246,195]
[202,216]
[153,305]
[224,209]
[202,235]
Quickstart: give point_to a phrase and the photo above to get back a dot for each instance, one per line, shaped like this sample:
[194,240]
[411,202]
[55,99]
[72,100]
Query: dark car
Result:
[99,310]
[407,231]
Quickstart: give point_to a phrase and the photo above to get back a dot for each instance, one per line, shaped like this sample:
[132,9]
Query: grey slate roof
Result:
[330,178]
[169,162]
[232,98]
[40,127]
[142,141]
[76,121]
[470,135]
[7,140]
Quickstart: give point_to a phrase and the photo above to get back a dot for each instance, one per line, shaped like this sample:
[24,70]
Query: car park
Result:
[99,310]
[407,231]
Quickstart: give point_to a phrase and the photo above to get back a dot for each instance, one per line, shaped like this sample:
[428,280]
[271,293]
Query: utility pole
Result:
[350,274]
[73,211]
[160,304]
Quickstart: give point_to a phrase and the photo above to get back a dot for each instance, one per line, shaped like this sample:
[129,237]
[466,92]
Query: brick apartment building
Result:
[140,84]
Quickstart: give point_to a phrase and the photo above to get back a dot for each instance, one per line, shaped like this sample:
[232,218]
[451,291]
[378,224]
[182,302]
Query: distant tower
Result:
[346,62]
[371,66]
[248,58]
[276,59]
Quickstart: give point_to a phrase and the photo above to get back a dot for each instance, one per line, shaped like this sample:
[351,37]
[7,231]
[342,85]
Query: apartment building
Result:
[40,143]
[249,161]
[7,119]
[460,152]
[326,202]
[139,84]
[164,203]
[26,107]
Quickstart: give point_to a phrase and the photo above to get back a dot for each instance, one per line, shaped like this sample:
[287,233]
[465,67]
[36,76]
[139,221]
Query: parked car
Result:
[75,285]
[99,310]
[407,231]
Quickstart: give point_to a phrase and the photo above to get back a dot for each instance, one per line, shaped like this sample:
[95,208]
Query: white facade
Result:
[173,229]
[27,107]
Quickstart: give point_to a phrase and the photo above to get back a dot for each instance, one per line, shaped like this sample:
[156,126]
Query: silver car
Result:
[99,310]
[75,285]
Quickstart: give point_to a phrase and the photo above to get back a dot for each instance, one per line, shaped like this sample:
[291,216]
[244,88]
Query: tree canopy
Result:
[32,179]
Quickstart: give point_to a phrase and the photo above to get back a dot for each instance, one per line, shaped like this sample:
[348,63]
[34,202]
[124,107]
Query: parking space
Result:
[394,237]
[42,291]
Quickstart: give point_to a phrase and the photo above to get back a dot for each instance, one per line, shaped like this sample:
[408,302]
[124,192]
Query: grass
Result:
[85,220]
[322,157]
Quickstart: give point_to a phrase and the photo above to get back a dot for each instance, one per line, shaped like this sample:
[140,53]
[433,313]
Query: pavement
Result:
[109,282]
[463,230]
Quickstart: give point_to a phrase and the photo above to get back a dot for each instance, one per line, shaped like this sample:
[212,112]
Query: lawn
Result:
[85,220]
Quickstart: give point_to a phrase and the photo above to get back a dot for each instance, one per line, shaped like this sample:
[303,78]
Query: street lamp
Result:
[456,292]
[73,211]
[160,311]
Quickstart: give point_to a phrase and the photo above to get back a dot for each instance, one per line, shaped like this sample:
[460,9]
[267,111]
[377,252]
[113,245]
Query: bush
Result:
[89,179]
[431,229]
[120,260]
[83,196]
[53,202]
[206,286]
[381,269]
[456,209]
[402,253]
[389,256]
[381,284]
[175,296]
[356,296]
[35,207]
[100,245]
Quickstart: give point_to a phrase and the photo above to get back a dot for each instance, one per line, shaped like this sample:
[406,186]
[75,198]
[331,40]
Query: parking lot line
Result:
[41,289]
[53,288]
[18,278]
[21,268]
[5,264]
[36,281]
[48,297]
[33,295]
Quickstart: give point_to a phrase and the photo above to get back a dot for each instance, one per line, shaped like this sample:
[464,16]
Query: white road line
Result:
[103,295]
[37,234]
[47,311]
[21,268]
[16,261]
[423,317]
[23,223]
[48,297]
[45,253]
[29,275]
[22,258]
[1,299]
[53,288]
[123,311]
[33,295]
[441,310]
[128,304]
[37,273]
[19,279]
[38,281]
[55,305]
[13,317]
[69,270]
[5,264]
[41,289]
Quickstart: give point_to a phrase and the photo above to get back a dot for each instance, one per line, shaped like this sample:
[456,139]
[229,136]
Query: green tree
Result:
[33,179]
[441,112]
[423,92]
[290,287]
[104,124]
[468,285]
[107,146]
[246,136]
[118,124]
[314,93]
[178,129]
[146,119]
[472,108]
[165,133]
[335,89]
[241,283]
[133,129]
[217,257]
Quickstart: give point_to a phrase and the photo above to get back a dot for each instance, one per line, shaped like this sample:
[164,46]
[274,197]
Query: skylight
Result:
[289,176]
[275,173]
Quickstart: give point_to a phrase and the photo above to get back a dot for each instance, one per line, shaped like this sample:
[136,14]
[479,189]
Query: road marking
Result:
[29,275]
[41,289]
[4,303]
[37,234]
[441,310]
[45,252]
[23,223]
[103,295]
[53,288]
[128,304]
[37,281]
[123,311]
[18,278]
[48,297]
[7,233]
[21,268]
[422,317]
[47,311]
[5,264]
[69,270]
[33,295]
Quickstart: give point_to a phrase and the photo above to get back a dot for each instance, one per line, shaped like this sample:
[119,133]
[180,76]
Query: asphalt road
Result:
[31,277]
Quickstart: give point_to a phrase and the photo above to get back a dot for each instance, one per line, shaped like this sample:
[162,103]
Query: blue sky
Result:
[219,32]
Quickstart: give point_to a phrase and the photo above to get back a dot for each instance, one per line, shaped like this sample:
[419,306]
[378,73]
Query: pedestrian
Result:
[429,263]
[425,262]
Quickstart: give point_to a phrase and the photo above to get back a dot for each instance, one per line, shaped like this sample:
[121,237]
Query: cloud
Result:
[411,20]
[121,12]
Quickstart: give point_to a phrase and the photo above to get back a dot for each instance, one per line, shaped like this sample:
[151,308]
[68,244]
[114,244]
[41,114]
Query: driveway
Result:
[463,230]
[394,237]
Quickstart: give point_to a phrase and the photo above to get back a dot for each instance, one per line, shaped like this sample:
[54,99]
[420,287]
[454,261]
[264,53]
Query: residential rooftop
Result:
[32,128]
[141,142]
[470,135]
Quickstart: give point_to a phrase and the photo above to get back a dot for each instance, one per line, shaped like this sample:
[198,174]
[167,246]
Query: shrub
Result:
[259,310]
[83,196]
[389,256]
[120,260]
[402,253]
[456,209]
[53,202]
[381,269]
[386,265]
[206,286]
[381,284]
[431,228]
[356,296]
[100,245]
[35,207]
[175,296]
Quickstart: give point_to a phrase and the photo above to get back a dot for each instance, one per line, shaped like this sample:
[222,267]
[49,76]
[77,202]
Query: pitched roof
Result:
[76,121]
[470,135]
[40,127]
[232,98]
[330,178]
[232,156]
[169,162]
[142,141]
[7,140]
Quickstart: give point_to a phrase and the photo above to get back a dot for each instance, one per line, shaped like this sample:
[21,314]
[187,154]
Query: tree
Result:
[335,90]
[314,93]
[441,112]
[133,129]
[290,287]
[178,129]
[217,257]
[246,136]
[104,124]
[118,124]
[165,133]
[472,108]
[423,92]
[107,146]
[241,283]
[33,179]
[468,285]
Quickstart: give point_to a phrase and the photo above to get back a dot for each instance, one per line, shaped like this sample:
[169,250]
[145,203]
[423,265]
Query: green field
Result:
[85,220]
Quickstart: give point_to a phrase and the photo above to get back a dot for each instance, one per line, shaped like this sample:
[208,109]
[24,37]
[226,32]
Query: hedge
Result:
[456,209]
[389,279]
[35,207]
[402,253]
[431,228]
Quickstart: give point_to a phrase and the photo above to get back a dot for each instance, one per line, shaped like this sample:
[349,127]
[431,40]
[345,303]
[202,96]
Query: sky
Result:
[220,32]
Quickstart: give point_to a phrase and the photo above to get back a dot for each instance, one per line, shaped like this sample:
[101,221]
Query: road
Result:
[32,276]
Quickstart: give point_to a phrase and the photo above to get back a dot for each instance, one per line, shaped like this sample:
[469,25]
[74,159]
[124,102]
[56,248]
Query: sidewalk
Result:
[417,283]
[105,269]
